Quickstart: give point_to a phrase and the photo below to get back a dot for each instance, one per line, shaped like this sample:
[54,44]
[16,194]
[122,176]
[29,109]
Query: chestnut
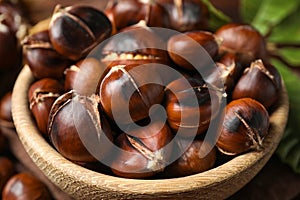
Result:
[127,92]
[6,119]
[244,41]
[191,105]
[186,15]
[129,12]
[75,30]
[136,44]
[197,47]
[197,156]
[144,151]
[7,170]
[84,76]
[245,125]
[41,96]
[25,186]
[77,129]
[3,143]
[261,82]
[42,58]
[10,51]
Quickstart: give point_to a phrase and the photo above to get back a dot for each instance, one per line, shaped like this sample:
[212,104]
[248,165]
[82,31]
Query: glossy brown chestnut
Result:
[84,76]
[43,60]
[129,12]
[144,152]
[75,30]
[77,129]
[260,82]
[243,40]
[7,170]
[197,156]
[186,15]
[130,89]
[6,119]
[189,106]
[10,50]
[245,125]
[41,96]
[26,187]
[136,44]
[197,46]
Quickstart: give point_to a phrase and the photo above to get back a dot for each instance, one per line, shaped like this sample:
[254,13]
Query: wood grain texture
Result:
[81,183]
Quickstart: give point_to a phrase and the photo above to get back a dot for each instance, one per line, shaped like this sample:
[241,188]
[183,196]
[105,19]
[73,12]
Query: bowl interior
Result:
[81,183]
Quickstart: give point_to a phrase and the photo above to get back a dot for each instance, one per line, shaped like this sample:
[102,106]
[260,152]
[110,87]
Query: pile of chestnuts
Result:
[115,95]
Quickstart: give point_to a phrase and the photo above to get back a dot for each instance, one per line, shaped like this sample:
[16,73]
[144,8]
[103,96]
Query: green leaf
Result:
[288,149]
[217,18]
[272,12]
[248,9]
[290,55]
[288,31]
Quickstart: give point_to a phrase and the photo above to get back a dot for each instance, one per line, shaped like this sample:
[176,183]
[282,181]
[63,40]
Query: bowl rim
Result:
[81,183]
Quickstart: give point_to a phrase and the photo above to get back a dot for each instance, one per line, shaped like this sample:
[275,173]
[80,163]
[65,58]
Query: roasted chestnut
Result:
[127,92]
[144,152]
[41,96]
[25,186]
[6,119]
[42,58]
[245,125]
[196,156]
[78,130]
[129,12]
[75,30]
[84,76]
[193,50]
[244,41]
[261,82]
[7,170]
[191,105]
[186,15]
[136,44]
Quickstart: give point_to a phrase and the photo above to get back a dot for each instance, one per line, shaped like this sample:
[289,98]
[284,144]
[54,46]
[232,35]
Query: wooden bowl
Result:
[81,183]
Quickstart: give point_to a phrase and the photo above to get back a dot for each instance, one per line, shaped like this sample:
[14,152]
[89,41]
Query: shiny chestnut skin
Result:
[6,119]
[7,170]
[245,125]
[77,129]
[84,76]
[10,51]
[122,90]
[24,186]
[144,151]
[186,102]
[75,30]
[43,60]
[198,156]
[243,40]
[41,96]
[261,82]
[137,44]
[129,12]
[193,46]
[186,15]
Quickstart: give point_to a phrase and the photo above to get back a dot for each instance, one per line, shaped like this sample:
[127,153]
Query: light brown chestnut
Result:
[77,128]
[41,96]
[261,82]
[127,92]
[144,152]
[245,125]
